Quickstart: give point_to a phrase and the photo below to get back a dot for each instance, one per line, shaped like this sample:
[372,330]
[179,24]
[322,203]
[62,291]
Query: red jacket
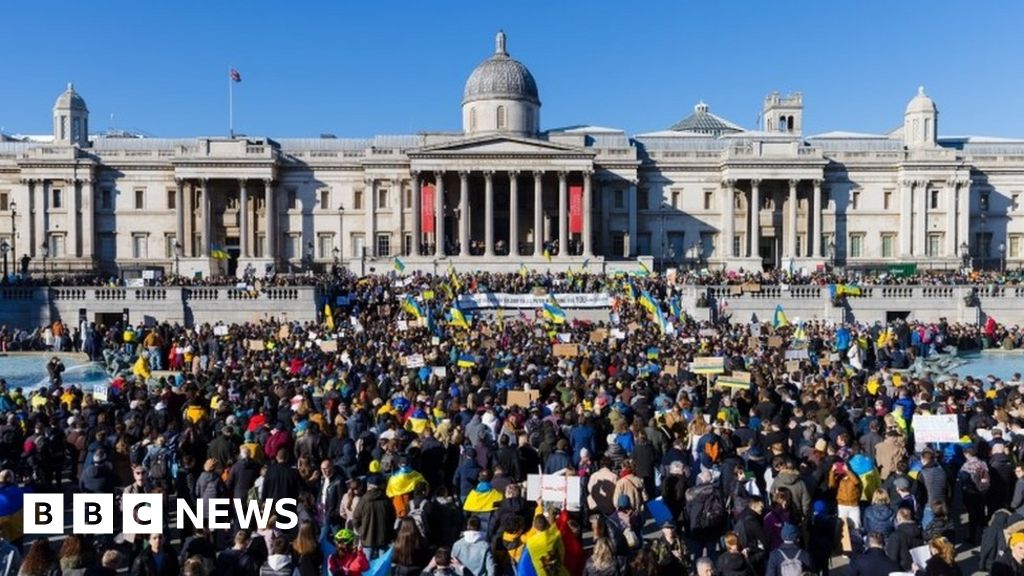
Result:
[349,564]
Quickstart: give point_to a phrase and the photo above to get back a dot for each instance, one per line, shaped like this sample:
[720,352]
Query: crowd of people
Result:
[407,430]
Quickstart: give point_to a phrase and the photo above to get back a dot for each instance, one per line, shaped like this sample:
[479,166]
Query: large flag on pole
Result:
[234,75]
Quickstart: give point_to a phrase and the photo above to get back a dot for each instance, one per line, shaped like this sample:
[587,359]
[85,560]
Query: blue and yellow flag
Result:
[630,289]
[218,253]
[800,335]
[553,312]
[399,265]
[648,302]
[500,316]
[410,305]
[483,498]
[466,361]
[328,317]
[547,254]
[644,270]
[779,319]
[523,271]
[543,554]
[653,352]
[404,481]
[676,308]
[12,506]
[454,278]
[457,318]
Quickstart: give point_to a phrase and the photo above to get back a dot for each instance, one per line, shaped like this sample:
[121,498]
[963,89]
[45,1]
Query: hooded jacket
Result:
[904,537]
[277,565]
[473,551]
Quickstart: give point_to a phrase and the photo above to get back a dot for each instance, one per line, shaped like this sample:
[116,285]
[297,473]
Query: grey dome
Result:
[702,121]
[70,99]
[501,77]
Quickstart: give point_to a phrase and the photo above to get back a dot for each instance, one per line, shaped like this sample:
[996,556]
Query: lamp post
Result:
[177,258]
[46,254]
[14,232]
[1002,257]
[5,247]
[337,258]
[309,256]
[965,255]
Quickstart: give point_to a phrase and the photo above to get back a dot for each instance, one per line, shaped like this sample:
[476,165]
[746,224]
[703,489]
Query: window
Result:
[358,245]
[501,117]
[888,243]
[76,129]
[983,202]
[983,245]
[620,200]
[408,197]
[325,246]
[934,244]
[56,198]
[1015,245]
[169,241]
[140,199]
[383,245]
[357,200]
[642,198]
[800,245]
[854,199]
[709,199]
[292,247]
[856,245]
[292,199]
[933,200]
[139,246]
[675,199]
[57,246]
[5,201]
[107,247]
[887,200]
[407,244]
[382,198]
[707,245]
[325,199]
[106,197]
[172,199]
[619,243]
[1015,201]
[737,244]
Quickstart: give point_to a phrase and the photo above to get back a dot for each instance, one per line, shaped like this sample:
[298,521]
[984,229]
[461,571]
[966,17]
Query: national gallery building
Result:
[505,192]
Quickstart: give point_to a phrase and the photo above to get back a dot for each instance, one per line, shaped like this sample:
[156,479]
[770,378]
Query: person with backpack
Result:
[789,559]
[625,529]
[706,514]
[157,462]
[974,483]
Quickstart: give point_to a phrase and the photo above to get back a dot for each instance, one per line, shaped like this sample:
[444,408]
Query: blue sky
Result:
[359,69]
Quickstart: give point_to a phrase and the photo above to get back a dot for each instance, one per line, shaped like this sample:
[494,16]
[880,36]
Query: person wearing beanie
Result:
[790,551]
[374,517]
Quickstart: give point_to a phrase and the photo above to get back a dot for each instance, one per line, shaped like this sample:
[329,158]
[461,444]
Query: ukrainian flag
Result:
[644,270]
[800,335]
[482,499]
[630,289]
[454,277]
[418,422]
[458,319]
[676,308]
[403,481]
[547,254]
[12,508]
[399,265]
[328,317]
[412,307]
[500,315]
[779,319]
[648,302]
[466,361]
[540,546]
[652,353]
[662,322]
[218,253]
[523,271]
[553,312]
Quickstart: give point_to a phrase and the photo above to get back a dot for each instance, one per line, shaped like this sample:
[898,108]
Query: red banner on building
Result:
[427,209]
[575,209]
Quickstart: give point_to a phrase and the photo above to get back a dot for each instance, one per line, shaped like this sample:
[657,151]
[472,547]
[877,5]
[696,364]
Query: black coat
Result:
[281,481]
[374,518]
[905,537]
[873,562]
[145,564]
[242,477]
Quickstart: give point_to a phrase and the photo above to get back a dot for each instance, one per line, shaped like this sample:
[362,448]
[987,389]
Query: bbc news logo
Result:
[144,513]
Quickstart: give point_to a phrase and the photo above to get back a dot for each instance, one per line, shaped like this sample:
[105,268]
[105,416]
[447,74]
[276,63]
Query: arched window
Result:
[501,117]
[472,118]
[789,124]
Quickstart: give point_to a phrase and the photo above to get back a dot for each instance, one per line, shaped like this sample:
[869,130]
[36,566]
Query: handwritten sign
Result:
[328,345]
[522,398]
[775,341]
[100,392]
[792,366]
[220,330]
[566,350]
[563,490]
[741,376]
[797,354]
[672,370]
[937,428]
[284,332]
[731,382]
[708,365]
[598,336]
[413,361]
[440,371]
[256,345]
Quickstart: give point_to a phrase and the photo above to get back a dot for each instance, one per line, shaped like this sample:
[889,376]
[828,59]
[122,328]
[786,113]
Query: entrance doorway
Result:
[769,253]
[232,247]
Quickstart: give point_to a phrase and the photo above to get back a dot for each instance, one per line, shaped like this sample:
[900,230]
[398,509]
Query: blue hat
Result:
[790,533]
[820,508]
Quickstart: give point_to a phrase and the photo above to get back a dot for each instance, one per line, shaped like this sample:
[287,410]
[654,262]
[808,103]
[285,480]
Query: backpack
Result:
[712,512]
[790,566]
[978,471]
[712,450]
[158,467]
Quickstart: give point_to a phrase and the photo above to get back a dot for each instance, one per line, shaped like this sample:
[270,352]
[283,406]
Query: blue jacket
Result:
[581,437]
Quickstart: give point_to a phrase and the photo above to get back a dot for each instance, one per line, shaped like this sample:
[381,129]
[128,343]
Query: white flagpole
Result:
[231,103]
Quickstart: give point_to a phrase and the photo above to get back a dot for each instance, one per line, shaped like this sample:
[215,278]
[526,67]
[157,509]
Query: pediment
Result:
[499,146]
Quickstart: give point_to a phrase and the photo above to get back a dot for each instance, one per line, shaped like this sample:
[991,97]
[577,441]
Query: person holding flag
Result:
[553,312]
[457,318]
[779,319]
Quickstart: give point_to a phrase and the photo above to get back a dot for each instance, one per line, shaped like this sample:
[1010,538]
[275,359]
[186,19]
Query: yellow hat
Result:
[375,467]
[1017,538]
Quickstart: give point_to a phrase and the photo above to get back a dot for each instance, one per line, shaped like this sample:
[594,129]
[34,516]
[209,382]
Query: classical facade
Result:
[503,192]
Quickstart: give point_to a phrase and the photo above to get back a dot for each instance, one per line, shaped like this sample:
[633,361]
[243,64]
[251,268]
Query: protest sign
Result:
[440,371]
[731,382]
[522,398]
[672,370]
[413,361]
[220,330]
[403,325]
[598,336]
[708,332]
[284,332]
[560,489]
[797,354]
[328,345]
[936,428]
[792,366]
[708,365]
[99,392]
[775,341]
[741,376]
[256,345]
[566,350]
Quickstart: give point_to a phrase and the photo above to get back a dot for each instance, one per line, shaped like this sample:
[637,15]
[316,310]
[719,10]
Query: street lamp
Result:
[46,254]
[177,257]
[1002,257]
[14,232]
[309,255]
[965,255]
[337,258]
[5,247]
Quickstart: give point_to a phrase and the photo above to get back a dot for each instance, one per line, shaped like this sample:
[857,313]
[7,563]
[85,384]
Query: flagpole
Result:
[231,103]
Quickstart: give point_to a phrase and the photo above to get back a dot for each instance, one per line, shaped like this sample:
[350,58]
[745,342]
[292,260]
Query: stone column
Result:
[270,215]
[370,204]
[951,223]
[88,219]
[964,216]
[463,213]
[588,248]
[632,219]
[204,245]
[488,213]
[513,214]
[921,222]
[417,209]
[243,217]
[72,245]
[606,232]
[791,232]
[906,205]
[754,210]
[42,190]
[563,215]
[399,213]
[439,215]
[728,218]
[179,216]
[816,211]
[538,213]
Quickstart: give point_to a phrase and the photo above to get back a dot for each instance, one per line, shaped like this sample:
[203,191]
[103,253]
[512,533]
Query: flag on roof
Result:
[234,75]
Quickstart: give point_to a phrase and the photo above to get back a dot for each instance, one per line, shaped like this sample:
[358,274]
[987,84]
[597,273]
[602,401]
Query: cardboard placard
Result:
[284,332]
[741,376]
[566,491]
[618,334]
[801,354]
[751,287]
[99,392]
[708,365]
[730,382]
[599,335]
[413,361]
[671,370]
[440,371]
[775,341]
[633,326]
[566,350]
[792,366]
[735,290]
[937,428]
[329,346]
[708,332]
[522,398]
[490,344]
[220,330]
[753,342]
[403,325]
[256,345]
